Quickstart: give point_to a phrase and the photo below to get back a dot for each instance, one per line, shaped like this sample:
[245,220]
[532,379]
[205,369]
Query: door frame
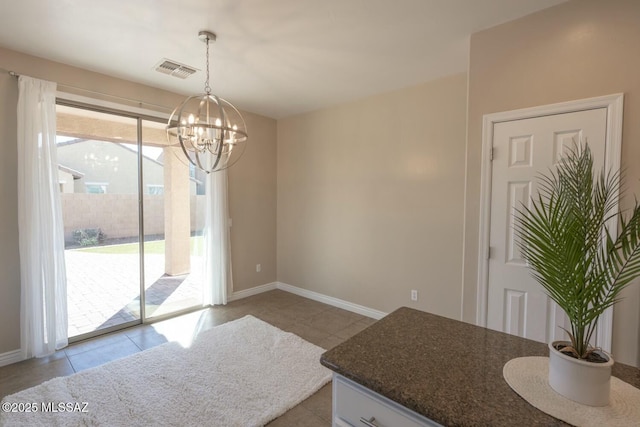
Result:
[613,149]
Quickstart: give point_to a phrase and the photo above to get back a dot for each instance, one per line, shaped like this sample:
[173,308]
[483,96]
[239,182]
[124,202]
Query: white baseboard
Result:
[336,302]
[10,357]
[252,291]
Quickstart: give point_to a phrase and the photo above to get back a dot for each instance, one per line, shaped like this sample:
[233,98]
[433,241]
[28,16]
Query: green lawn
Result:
[152,247]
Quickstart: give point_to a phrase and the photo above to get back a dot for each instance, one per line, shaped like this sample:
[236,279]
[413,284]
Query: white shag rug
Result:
[241,373]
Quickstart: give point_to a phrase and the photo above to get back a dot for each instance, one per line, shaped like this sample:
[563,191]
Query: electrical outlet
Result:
[414,295]
[258,268]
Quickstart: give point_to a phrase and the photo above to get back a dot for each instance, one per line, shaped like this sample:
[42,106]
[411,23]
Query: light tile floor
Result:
[321,324]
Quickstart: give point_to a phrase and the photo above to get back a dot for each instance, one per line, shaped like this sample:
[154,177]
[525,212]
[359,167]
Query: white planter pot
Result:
[584,382]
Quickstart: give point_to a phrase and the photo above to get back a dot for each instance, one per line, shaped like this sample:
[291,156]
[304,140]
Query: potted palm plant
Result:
[567,241]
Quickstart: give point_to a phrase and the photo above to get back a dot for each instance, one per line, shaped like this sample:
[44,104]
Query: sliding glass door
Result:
[132,215]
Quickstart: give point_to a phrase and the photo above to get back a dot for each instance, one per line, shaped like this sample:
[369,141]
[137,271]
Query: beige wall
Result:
[370,198]
[252,189]
[252,199]
[575,50]
[9,257]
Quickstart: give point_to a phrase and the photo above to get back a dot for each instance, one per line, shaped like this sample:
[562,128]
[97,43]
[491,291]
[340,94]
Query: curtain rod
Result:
[135,101]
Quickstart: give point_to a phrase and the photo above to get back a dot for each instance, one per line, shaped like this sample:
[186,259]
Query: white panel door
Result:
[522,149]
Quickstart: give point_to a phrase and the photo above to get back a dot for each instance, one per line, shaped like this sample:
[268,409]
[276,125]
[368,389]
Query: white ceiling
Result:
[272,57]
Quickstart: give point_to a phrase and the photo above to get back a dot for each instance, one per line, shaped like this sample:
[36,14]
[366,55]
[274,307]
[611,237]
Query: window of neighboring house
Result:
[155,189]
[96,187]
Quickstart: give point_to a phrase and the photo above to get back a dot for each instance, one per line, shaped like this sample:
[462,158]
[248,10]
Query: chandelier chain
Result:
[207,88]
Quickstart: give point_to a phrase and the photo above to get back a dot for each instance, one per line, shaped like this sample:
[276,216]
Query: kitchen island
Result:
[435,370]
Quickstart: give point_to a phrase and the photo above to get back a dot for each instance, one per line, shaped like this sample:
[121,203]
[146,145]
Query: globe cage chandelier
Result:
[209,129]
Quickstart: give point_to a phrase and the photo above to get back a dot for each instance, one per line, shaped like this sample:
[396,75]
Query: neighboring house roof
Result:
[76,174]
[70,142]
[122,145]
[156,161]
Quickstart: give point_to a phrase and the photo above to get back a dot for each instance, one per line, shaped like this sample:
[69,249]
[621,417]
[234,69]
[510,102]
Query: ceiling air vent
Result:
[175,69]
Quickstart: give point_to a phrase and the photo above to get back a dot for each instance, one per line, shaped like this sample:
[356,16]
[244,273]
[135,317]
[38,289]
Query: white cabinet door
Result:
[522,149]
[355,405]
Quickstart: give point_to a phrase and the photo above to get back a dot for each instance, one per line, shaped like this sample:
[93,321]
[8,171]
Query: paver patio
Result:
[103,289]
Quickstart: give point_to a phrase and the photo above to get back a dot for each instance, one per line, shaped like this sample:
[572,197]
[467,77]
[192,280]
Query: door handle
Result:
[371,422]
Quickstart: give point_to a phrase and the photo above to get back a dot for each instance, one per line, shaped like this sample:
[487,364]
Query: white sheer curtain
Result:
[43,311]
[217,246]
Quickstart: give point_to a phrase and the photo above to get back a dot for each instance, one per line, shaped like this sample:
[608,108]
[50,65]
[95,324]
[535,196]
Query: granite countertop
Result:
[446,370]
